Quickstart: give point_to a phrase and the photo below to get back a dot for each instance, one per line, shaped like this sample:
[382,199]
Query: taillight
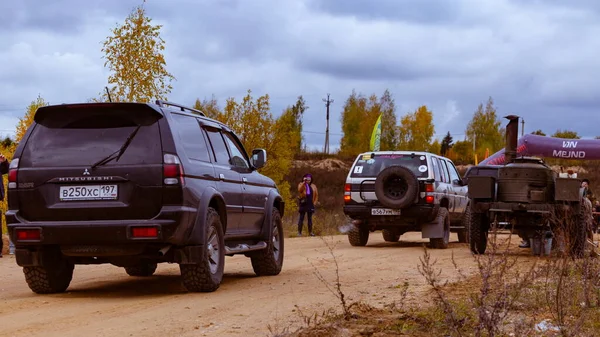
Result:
[172,170]
[429,189]
[12,173]
[144,232]
[347,194]
[28,234]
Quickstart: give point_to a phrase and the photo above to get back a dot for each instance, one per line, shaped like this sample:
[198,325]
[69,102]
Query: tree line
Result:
[134,55]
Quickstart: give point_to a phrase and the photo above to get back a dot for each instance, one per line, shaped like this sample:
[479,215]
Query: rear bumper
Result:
[408,216]
[171,223]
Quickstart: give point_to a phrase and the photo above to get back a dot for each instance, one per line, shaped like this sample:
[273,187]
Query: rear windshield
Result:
[370,166]
[83,137]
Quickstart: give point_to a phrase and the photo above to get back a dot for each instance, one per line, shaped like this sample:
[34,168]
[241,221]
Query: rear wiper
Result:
[117,154]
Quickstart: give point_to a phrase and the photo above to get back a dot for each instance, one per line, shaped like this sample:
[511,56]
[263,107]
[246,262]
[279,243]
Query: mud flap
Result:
[432,230]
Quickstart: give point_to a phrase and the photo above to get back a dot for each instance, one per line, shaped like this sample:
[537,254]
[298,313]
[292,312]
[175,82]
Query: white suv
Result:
[404,191]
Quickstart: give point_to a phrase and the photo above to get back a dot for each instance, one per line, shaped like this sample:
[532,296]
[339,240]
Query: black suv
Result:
[136,184]
[404,191]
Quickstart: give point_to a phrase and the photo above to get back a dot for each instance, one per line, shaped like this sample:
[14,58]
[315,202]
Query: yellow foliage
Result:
[416,130]
[358,119]
[254,124]
[485,130]
[134,54]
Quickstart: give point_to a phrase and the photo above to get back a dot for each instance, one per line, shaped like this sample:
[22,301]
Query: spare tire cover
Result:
[396,187]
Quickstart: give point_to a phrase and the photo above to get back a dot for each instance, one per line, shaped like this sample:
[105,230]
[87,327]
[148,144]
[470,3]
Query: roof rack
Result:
[162,103]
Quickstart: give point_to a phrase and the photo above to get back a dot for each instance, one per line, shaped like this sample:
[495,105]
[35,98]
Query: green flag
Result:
[376,135]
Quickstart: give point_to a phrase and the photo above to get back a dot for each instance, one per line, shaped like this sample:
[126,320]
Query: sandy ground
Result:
[104,301]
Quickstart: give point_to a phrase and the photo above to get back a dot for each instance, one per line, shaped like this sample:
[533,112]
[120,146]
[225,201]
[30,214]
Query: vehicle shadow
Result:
[410,244]
[152,286]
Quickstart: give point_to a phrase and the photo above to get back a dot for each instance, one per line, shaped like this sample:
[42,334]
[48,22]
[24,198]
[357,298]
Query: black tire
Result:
[143,269]
[478,233]
[390,235]
[269,261]
[463,234]
[358,236]
[49,279]
[207,275]
[442,220]
[396,187]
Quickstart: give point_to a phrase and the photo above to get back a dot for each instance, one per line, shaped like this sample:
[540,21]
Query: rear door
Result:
[368,166]
[57,180]
[229,181]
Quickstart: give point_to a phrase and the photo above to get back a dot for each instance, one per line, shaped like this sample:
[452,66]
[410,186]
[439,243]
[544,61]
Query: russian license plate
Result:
[384,211]
[88,192]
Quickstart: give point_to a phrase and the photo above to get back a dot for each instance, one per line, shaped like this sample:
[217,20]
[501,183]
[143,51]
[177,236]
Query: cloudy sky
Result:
[538,59]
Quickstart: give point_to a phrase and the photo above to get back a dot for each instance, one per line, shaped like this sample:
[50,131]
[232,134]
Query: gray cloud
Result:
[536,59]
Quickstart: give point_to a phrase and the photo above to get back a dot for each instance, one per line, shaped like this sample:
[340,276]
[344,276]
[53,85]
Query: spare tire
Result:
[396,187]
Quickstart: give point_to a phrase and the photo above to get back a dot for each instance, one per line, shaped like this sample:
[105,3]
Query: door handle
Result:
[244,179]
[221,176]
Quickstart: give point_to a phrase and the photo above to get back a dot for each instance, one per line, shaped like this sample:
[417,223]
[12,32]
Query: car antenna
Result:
[108,93]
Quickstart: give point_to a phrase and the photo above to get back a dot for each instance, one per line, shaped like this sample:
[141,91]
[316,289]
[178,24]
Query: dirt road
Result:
[104,301]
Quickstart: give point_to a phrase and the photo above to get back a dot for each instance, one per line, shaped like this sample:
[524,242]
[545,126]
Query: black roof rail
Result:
[162,103]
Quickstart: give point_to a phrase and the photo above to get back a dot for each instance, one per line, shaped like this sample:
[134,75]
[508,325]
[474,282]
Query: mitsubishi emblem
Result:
[86,172]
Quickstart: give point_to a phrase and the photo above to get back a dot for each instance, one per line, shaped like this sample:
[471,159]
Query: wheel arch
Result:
[209,198]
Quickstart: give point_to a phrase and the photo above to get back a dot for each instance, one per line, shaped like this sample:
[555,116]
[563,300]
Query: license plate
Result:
[384,211]
[88,192]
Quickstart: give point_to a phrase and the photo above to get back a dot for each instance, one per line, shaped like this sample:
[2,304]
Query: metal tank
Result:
[530,195]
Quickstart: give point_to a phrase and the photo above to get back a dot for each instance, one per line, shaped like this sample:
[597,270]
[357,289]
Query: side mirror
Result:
[259,158]
[457,182]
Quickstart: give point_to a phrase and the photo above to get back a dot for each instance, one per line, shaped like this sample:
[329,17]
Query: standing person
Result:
[3,170]
[308,197]
[588,208]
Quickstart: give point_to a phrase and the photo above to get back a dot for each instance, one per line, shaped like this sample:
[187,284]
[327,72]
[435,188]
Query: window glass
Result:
[83,138]
[453,172]
[218,146]
[191,136]
[436,169]
[371,166]
[238,158]
[445,171]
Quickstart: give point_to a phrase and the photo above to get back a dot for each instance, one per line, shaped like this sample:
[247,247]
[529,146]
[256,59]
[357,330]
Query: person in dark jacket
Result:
[3,170]
[308,197]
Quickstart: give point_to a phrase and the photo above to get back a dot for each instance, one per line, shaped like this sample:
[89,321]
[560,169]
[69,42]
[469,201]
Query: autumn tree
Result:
[416,130]
[210,108]
[461,152]
[484,130]
[538,132]
[27,119]
[446,144]
[134,55]
[567,134]
[252,121]
[7,142]
[389,121]
[297,112]
[357,125]
[358,120]
[435,147]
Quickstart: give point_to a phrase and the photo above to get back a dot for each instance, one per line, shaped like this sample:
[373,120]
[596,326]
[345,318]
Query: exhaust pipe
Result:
[163,251]
[512,136]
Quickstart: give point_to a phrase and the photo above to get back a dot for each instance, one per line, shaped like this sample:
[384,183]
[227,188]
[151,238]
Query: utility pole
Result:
[327,104]
[522,127]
